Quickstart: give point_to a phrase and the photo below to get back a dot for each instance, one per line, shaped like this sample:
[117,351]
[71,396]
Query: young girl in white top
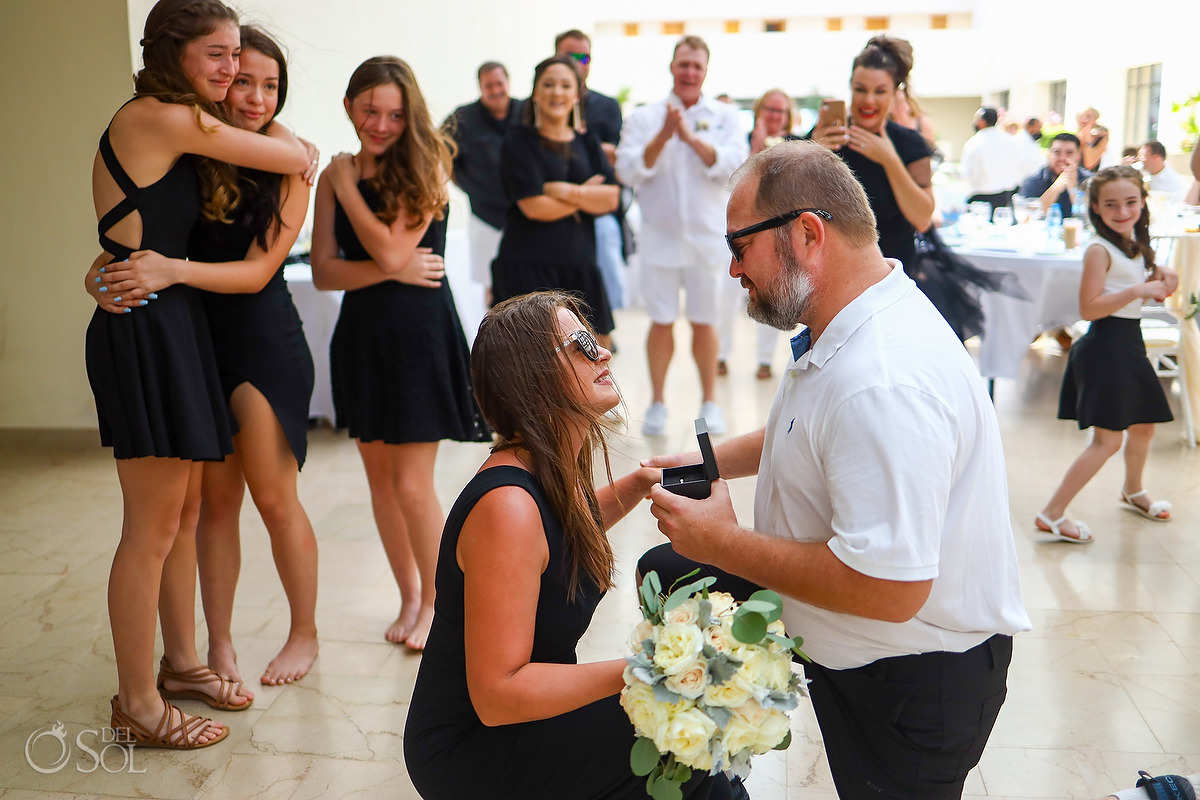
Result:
[1109,384]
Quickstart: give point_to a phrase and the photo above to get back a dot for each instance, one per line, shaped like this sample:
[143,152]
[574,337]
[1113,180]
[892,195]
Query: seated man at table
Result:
[1058,181]
[1162,178]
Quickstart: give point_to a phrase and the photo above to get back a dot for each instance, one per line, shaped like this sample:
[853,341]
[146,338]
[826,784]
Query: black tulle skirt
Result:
[954,284]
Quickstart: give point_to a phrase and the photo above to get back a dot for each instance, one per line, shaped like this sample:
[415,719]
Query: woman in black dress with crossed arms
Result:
[398,356]
[559,181]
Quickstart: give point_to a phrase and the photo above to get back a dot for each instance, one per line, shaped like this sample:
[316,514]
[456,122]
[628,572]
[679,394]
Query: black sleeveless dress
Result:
[152,371]
[258,338]
[581,755]
[399,361]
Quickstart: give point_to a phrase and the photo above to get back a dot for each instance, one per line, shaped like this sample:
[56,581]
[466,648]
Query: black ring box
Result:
[694,480]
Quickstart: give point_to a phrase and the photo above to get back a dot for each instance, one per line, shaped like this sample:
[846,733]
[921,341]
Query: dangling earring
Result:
[579,126]
[537,116]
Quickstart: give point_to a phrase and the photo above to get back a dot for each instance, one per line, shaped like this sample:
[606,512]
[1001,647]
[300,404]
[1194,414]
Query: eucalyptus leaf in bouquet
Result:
[709,682]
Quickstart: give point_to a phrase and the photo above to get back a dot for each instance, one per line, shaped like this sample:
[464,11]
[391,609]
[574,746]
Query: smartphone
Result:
[833,112]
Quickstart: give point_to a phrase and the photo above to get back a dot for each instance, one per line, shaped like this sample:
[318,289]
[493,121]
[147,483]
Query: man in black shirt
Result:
[602,115]
[479,129]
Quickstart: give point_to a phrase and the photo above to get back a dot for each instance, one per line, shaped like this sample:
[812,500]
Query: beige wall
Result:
[65,70]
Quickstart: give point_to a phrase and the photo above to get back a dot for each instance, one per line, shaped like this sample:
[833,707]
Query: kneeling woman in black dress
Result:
[559,181]
[398,356]
[501,707]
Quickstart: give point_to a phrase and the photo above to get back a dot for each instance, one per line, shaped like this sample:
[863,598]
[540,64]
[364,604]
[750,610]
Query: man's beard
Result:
[782,303]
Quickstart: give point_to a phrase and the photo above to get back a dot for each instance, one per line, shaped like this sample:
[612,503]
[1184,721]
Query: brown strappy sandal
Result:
[199,676]
[184,736]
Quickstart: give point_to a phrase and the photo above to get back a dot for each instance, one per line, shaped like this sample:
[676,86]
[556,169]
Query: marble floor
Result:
[1107,683]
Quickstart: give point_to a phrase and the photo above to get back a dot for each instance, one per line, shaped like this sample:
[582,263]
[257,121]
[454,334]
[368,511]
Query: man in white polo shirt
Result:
[881,510]
[678,154]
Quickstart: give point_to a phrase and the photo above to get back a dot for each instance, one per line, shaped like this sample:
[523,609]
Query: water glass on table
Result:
[1002,216]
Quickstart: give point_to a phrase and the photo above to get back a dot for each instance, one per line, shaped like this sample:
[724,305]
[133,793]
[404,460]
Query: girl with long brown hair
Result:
[1109,384]
[265,367]
[524,561]
[152,368]
[398,356]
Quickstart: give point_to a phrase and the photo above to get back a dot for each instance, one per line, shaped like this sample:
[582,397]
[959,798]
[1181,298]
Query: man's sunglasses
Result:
[774,222]
[583,59]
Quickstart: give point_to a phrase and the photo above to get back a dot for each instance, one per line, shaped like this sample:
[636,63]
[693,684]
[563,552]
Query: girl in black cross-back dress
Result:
[152,369]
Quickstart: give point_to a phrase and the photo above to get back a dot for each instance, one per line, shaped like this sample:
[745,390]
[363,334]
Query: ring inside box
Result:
[694,480]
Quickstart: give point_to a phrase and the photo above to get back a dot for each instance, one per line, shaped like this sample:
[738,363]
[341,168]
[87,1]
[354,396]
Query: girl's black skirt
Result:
[1109,383]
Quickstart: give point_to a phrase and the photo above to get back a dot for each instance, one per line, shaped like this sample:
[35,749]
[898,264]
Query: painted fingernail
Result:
[102,269]
[96,279]
[103,289]
[153,295]
[143,302]
[127,310]
[116,299]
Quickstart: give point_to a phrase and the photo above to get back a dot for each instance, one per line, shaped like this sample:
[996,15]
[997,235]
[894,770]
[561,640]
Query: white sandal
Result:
[1085,533]
[1156,510]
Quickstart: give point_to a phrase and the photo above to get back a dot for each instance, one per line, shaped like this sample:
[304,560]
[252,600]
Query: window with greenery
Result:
[1142,96]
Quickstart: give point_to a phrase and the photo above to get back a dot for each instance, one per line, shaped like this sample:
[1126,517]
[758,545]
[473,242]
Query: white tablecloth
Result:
[319,312]
[1052,283]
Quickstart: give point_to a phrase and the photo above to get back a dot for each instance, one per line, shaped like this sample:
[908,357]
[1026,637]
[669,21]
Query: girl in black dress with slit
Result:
[152,369]
[398,356]
[502,708]
[265,368]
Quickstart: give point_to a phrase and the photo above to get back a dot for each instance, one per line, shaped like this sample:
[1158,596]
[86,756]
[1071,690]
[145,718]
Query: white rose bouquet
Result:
[710,682]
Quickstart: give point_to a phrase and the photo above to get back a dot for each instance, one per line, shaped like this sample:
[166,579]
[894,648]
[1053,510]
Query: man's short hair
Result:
[694,42]
[1032,121]
[574,33]
[1066,137]
[802,174]
[1155,148]
[487,67]
[989,116]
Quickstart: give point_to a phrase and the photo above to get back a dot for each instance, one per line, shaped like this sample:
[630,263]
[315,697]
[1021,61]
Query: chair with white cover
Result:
[1161,333]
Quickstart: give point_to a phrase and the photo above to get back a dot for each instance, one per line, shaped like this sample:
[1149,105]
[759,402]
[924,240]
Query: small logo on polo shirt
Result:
[790,424]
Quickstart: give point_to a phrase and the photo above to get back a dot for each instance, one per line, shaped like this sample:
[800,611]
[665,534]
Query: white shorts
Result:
[660,293]
[484,242]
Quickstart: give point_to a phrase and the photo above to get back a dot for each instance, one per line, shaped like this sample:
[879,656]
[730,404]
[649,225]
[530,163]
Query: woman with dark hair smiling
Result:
[152,368]
[890,161]
[559,180]
[502,708]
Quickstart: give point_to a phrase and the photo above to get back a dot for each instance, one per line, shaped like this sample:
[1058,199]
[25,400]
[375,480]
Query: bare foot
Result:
[203,683]
[420,632]
[222,659]
[292,662]
[399,630]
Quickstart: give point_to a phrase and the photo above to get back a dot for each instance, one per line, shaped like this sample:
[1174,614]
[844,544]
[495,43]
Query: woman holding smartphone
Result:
[892,162]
